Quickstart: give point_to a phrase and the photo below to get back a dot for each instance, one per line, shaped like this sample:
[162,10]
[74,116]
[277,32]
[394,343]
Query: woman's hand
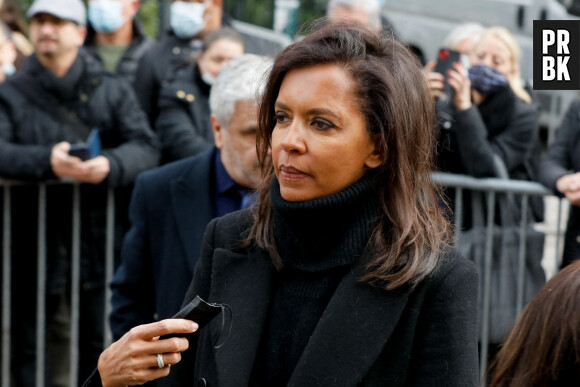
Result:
[459,81]
[435,80]
[132,360]
[569,185]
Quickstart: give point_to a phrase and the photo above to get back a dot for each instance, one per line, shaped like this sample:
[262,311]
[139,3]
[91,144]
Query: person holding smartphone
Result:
[492,113]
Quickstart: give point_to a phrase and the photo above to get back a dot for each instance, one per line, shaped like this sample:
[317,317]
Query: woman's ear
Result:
[376,158]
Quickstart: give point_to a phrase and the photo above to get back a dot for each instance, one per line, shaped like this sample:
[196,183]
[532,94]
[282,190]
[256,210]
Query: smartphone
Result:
[445,107]
[445,60]
[88,150]
[198,311]
[81,151]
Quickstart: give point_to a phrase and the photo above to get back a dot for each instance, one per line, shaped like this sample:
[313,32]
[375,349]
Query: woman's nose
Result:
[486,60]
[293,140]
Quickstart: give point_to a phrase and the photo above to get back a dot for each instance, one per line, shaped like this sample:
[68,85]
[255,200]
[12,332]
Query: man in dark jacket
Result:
[172,205]
[57,97]
[183,125]
[558,170]
[190,21]
[115,36]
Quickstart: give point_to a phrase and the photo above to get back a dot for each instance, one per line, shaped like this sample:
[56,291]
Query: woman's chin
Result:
[296,194]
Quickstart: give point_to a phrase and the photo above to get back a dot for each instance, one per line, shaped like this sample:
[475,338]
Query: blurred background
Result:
[259,12]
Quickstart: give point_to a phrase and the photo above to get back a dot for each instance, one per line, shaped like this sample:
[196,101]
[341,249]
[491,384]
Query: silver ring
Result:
[160,362]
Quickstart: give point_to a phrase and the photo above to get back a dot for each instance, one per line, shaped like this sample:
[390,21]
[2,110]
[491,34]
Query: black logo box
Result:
[573,28]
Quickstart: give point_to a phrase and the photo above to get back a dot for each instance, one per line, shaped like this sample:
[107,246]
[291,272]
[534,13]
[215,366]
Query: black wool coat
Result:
[562,158]
[183,124]
[503,125]
[366,336]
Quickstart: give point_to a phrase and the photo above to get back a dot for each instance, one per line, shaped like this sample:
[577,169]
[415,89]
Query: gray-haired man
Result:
[171,206]
[364,12]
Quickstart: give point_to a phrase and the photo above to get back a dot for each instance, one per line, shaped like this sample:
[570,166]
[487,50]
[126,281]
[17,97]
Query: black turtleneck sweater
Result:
[319,241]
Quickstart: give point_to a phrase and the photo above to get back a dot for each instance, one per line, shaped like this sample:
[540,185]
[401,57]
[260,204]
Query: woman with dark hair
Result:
[343,273]
[543,349]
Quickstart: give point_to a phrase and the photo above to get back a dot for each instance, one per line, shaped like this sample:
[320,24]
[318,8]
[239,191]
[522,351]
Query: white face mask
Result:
[186,19]
[8,69]
[208,78]
[106,15]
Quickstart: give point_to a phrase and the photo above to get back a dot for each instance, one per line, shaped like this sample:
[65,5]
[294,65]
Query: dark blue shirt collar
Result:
[228,196]
[223,181]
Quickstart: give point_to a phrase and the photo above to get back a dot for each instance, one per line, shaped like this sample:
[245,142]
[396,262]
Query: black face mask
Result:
[486,80]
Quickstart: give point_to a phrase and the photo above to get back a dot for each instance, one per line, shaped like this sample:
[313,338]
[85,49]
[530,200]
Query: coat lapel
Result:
[244,283]
[358,320]
[191,206]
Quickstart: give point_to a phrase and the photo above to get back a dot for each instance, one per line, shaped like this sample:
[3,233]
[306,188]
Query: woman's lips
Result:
[291,173]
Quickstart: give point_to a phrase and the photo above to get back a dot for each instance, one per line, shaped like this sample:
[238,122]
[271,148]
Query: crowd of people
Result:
[290,184]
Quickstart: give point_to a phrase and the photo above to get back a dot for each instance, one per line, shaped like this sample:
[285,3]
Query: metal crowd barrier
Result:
[491,186]
[7,186]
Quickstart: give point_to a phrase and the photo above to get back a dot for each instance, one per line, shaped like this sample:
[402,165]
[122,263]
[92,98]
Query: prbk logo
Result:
[556,54]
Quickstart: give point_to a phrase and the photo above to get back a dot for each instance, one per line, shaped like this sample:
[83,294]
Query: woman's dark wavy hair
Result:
[543,348]
[394,98]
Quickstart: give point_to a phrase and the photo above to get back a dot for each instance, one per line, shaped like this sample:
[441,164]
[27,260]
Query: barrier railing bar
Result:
[491,184]
[559,253]
[75,286]
[109,265]
[458,214]
[41,288]
[6,287]
[487,282]
[522,256]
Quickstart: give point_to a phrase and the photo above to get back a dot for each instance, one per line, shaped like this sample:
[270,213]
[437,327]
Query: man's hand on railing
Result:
[63,165]
[96,171]
[569,185]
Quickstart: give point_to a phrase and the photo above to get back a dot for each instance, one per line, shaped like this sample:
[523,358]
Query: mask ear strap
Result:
[226,328]
[206,14]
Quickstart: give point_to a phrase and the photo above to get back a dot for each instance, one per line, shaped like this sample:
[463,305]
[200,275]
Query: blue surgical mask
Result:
[486,80]
[106,15]
[186,19]
[8,69]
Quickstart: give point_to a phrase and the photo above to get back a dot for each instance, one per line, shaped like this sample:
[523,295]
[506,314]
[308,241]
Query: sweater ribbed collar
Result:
[327,232]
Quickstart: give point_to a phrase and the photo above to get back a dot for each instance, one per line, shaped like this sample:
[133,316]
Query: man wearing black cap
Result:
[55,100]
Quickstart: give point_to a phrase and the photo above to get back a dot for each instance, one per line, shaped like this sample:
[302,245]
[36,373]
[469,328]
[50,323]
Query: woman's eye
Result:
[322,125]
[281,118]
